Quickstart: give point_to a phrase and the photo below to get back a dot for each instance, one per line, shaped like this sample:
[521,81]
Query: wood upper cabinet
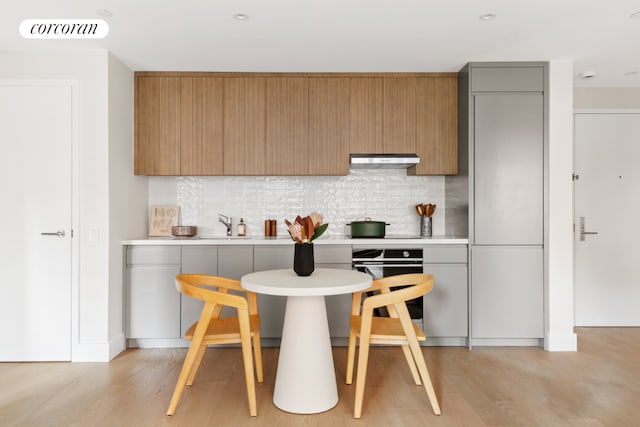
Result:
[437,126]
[293,123]
[157,117]
[244,126]
[287,112]
[201,136]
[328,126]
[179,126]
[365,107]
[399,115]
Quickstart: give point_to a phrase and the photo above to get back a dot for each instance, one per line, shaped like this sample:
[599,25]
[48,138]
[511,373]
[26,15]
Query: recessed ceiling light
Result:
[241,16]
[632,73]
[104,13]
[487,16]
[588,75]
[635,15]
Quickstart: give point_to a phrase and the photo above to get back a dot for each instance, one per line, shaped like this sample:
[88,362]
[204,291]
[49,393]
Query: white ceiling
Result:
[349,35]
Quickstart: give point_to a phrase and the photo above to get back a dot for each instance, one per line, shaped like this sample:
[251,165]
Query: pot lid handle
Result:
[367,218]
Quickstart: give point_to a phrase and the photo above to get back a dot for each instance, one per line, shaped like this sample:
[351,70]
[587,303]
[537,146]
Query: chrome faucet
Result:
[226,221]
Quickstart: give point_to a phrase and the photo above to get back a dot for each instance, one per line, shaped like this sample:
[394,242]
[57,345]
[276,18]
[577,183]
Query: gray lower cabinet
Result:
[233,263]
[338,306]
[152,300]
[195,260]
[272,307]
[507,299]
[445,312]
[446,306]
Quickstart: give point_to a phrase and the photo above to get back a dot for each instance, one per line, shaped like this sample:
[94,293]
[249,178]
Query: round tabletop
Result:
[323,281]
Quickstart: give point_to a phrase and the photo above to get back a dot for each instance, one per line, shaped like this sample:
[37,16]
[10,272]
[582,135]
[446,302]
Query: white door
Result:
[35,183]
[607,202]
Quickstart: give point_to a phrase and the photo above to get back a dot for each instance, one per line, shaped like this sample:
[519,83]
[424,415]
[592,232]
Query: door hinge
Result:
[575,177]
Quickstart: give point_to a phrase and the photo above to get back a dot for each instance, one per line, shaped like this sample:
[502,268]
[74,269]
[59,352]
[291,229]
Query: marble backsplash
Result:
[384,195]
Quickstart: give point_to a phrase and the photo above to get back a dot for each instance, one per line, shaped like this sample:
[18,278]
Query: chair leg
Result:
[257,355]
[412,364]
[245,338]
[424,372]
[351,356]
[194,348]
[363,359]
[196,364]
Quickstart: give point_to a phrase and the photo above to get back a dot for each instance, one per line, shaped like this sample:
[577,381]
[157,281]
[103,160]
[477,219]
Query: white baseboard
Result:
[98,352]
[117,345]
[561,341]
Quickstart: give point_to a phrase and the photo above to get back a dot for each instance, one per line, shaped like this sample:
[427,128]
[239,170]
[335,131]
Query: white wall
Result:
[127,193]
[559,274]
[606,97]
[90,337]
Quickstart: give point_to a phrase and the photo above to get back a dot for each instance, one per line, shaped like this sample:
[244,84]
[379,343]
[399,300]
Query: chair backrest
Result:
[413,285]
[200,286]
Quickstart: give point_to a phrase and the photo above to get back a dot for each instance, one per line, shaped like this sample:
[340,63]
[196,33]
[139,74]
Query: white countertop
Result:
[286,240]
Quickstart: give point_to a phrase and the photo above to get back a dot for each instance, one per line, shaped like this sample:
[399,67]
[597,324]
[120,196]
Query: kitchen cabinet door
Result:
[399,115]
[365,111]
[506,292]
[152,300]
[272,307]
[338,306]
[437,126]
[508,179]
[195,260]
[244,126]
[328,126]
[287,114]
[201,125]
[446,306]
[157,126]
[233,263]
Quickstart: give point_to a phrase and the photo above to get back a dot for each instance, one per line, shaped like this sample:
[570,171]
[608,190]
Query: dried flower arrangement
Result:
[306,229]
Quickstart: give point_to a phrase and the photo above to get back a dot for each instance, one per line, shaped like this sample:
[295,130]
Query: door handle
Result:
[583,232]
[59,233]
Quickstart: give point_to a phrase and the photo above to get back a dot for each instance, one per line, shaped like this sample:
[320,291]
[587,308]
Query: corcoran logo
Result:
[64,29]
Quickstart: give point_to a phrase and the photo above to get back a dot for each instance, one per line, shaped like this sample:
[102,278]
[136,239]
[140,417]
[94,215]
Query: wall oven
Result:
[390,262]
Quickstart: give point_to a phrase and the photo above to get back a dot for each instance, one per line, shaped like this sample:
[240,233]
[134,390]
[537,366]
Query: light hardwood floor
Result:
[597,386]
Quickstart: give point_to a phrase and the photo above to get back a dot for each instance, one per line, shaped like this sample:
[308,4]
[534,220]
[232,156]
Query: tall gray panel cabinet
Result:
[502,119]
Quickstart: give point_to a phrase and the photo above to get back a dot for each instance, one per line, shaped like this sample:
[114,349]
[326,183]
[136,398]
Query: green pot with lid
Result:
[367,228]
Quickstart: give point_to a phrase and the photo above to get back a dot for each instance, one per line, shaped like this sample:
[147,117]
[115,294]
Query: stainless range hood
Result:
[383,161]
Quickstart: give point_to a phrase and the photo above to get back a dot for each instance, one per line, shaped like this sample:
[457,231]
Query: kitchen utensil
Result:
[184,230]
[419,209]
[367,228]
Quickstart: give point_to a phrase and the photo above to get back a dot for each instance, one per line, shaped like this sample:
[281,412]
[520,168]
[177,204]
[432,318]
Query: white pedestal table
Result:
[305,380]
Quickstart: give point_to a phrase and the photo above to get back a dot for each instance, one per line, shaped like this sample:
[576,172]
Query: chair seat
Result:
[225,328]
[385,328]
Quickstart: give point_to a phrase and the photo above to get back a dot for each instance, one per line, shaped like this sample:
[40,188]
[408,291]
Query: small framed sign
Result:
[162,218]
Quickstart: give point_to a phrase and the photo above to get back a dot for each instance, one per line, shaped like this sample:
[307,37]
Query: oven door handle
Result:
[387,265]
[387,259]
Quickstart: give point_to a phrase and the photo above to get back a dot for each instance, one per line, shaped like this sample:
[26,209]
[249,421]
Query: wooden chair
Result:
[398,329]
[213,329]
